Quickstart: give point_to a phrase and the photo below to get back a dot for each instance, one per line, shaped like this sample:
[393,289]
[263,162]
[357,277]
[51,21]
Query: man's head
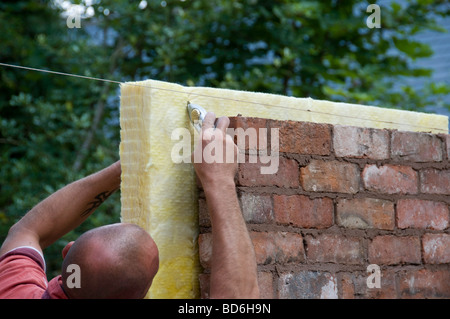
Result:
[115,261]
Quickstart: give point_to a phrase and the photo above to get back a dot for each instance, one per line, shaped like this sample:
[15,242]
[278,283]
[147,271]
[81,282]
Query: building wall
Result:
[344,198]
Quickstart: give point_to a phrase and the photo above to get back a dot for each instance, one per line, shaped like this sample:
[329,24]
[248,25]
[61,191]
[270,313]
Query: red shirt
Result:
[22,276]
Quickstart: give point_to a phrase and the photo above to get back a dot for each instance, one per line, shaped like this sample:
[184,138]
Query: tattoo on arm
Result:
[99,199]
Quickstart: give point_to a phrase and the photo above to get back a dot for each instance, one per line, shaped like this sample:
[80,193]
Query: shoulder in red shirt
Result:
[22,276]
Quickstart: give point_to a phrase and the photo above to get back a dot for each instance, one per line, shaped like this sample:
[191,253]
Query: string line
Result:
[217,97]
[59,73]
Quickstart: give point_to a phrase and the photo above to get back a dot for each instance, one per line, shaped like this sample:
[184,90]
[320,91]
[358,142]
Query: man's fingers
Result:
[222,123]
[209,120]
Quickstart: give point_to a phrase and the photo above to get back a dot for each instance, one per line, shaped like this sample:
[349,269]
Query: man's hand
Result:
[215,157]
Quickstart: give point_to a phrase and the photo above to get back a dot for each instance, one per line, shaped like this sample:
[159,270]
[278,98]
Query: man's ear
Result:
[66,249]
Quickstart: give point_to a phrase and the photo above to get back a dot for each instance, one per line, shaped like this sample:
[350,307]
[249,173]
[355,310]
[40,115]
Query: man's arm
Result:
[63,211]
[233,265]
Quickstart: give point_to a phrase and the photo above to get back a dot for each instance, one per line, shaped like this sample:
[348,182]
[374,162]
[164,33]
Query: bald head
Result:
[116,261]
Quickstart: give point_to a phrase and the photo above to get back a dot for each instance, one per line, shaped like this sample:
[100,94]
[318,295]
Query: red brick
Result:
[249,173]
[256,208]
[365,213]
[390,179]
[334,248]
[347,290]
[436,248]
[330,176]
[301,211]
[416,147]
[392,250]
[255,139]
[307,285]
[425,283]
[358,142]
[355,285]
[289,247]
[277,247]
[434,181]
[264,246]
[265,283]
[417,213]
[303,137]
[388,286]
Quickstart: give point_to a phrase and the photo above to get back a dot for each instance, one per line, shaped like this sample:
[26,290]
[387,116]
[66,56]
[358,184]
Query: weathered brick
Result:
[203,214]
[425,283]
[256,208]
[264,246]
[255,133]
[303,137]
[358,142]
[307,285]
[436,248]
[287,175]
[417,213]
[388,286]
[347,290]
[330,176]
[365,213]
[416,147]
[301,211]
[289,247]
[205,249]
[277,247]
[434,181]
[391,250]
[334,248]
[266,285]
[390,179]
[355,284]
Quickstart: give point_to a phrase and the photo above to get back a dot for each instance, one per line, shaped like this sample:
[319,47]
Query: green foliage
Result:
[44,118]
[56,129]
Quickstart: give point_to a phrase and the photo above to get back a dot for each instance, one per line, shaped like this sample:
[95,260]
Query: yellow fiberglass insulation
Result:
[161,195]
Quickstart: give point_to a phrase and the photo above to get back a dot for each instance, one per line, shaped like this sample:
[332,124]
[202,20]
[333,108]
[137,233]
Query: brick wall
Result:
[344,198]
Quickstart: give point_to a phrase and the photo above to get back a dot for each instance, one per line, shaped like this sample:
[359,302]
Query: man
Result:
[120,260]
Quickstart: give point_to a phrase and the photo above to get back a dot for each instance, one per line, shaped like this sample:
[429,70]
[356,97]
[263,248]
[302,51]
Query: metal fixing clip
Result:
[196,115]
